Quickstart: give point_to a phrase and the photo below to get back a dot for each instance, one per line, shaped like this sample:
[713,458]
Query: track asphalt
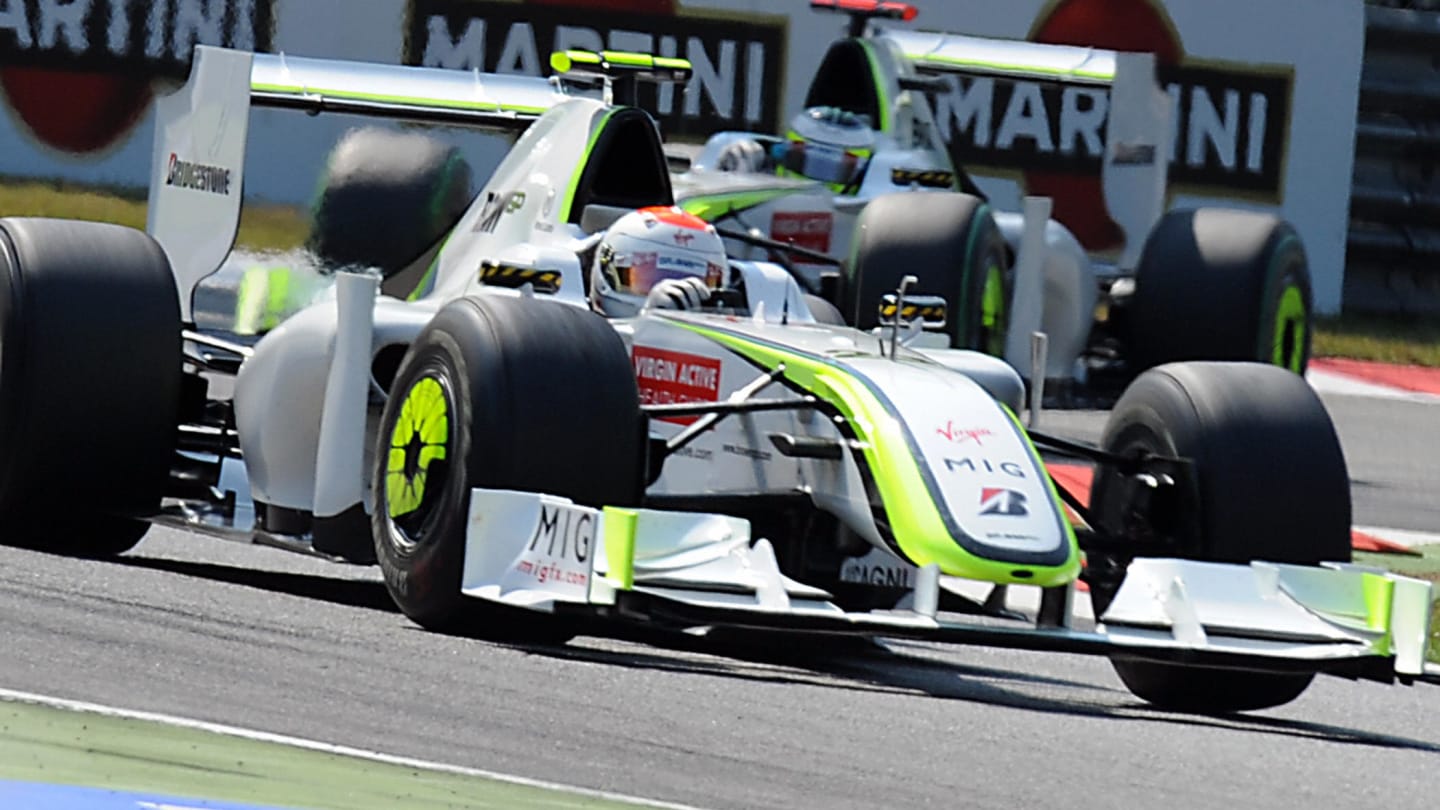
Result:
[1364,378]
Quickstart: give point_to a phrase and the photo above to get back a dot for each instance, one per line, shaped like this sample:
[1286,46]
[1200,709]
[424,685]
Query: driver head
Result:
[650,245]
[828,144]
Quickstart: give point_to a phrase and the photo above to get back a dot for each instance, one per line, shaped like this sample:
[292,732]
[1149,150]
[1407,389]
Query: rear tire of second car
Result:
[1222,284]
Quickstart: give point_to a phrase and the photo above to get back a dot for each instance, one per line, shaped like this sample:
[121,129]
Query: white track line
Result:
[324,747]
[1329,382]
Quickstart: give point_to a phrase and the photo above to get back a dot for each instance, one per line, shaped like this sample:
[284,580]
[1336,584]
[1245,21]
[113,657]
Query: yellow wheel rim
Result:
[992,313]
[419,438]
[1289,343]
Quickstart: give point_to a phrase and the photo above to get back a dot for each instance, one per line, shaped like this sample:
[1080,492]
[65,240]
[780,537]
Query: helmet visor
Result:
[825,163]
[648,269]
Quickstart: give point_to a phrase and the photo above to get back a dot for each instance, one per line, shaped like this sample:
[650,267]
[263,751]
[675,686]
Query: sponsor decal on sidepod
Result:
[667,377]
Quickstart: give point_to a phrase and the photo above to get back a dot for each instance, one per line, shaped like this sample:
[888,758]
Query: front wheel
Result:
[498,393]
[1271,484]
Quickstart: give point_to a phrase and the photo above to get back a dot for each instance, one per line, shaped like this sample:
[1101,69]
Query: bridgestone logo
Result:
[197,176]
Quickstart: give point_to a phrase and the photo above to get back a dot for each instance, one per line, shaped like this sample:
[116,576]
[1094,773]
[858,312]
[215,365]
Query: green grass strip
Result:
[58,746]
[263,226]
[1405,339]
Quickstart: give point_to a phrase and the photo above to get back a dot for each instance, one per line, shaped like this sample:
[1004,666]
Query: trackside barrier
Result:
[1393,246]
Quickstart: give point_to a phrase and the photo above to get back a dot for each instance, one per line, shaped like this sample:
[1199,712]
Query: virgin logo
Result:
[963,435]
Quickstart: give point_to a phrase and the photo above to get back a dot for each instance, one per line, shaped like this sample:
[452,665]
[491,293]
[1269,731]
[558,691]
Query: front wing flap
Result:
[694,569]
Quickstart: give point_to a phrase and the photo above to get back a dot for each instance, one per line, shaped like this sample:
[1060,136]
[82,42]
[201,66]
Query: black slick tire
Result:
[1271,484]
[951,244]
[90,370]
[534,396]
[1221,284]
[385,198]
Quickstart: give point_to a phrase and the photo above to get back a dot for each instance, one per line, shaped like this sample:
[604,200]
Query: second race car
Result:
[892,111]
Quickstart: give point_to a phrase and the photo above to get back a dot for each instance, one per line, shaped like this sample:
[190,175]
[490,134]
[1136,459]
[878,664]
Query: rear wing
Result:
[1022,106]
[958,53]
[489,100]
[198,156]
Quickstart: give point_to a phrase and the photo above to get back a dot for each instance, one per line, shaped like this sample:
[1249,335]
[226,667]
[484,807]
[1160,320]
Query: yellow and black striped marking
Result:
[929,178]
[926,312]
[505,275]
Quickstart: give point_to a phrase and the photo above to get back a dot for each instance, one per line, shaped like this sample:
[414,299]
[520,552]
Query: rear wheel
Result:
[90,370]
[951,244]
[386,198]
[1220,284]
[487,397]
[1271,485]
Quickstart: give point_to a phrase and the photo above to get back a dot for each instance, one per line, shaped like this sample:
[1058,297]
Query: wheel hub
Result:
[1289,338]
[422,431]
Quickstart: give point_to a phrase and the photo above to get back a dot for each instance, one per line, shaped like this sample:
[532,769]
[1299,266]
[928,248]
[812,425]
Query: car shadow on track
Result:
[833,663]
[944,680]
[761,657]
[879,668]
[347,592]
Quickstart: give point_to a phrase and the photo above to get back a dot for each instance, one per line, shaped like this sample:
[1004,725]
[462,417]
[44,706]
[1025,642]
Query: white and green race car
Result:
[891,110]
[513,461]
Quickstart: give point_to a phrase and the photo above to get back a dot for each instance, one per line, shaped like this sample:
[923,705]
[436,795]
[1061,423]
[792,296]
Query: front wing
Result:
[690,569]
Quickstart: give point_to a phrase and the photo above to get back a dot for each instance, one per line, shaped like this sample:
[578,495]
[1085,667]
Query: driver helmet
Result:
[650,245]
[828,144]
